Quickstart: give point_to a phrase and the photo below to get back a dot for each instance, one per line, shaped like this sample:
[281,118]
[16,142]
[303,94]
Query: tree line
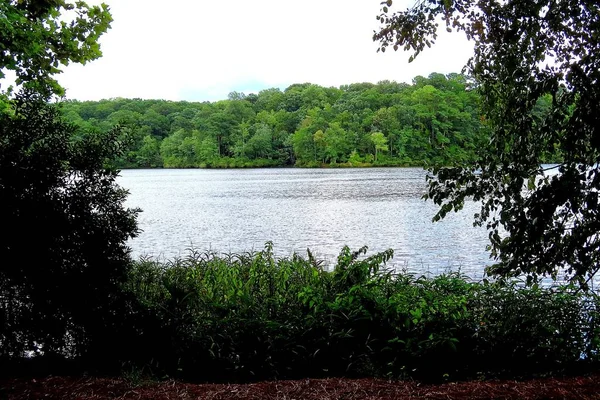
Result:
[434,120]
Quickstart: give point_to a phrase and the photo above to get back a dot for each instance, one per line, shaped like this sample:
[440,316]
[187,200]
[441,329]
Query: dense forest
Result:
[433,120]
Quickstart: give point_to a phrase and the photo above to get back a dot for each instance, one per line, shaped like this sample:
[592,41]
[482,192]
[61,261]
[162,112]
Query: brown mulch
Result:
[309,389]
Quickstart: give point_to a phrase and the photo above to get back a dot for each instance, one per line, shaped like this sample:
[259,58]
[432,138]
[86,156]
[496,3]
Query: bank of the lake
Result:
[212,317]
[254,316]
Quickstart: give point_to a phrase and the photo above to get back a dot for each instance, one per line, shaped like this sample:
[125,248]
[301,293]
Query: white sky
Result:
[200,50]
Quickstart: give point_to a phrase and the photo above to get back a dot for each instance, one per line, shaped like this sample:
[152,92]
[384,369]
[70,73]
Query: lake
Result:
[321,209]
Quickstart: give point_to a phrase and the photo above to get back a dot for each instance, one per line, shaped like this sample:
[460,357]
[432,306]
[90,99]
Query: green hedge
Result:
[214,317]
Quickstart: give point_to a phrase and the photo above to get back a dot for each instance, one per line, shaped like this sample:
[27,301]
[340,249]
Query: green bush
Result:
[64,254]
[254,316]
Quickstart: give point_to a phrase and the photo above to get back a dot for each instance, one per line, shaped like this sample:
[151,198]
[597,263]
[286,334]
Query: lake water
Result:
[321,209]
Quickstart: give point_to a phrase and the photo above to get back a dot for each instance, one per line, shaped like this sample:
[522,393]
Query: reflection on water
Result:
[320,209]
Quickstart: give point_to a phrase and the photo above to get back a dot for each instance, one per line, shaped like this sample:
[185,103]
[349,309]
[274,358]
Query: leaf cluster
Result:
[64,224]
[64,227]
[252,316]
[37,37]
[536,67]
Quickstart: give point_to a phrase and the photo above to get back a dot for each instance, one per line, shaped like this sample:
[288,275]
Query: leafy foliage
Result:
[65,227]
[252,316]
[536,65]
[63,252]
[435,120]
[36,37]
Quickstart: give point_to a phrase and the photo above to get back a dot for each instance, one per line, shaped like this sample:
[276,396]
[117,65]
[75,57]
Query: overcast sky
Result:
[199,50]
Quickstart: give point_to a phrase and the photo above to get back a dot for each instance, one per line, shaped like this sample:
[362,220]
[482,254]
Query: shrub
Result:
[63,252]
[254,316]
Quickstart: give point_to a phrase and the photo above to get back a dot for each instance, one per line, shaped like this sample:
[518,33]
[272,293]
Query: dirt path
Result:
[309,389]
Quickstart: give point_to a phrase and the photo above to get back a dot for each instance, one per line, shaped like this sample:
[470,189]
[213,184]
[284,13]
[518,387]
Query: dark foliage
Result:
[541,223]
[253,317]
[63,254]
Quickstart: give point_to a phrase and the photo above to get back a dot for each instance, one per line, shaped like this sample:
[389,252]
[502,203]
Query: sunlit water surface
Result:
[320,209]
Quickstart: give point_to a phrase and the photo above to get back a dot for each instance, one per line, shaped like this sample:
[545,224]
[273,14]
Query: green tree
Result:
[241,140]
[208,150]
[260,144]
[320,145]
[178,150]
[337,143]
[64,256]
[304,145]
[222,126]
[66,252]
[380,143]
[158,125]
[386,121]
[37,37]
[524,52]
[148,155]
[268,100]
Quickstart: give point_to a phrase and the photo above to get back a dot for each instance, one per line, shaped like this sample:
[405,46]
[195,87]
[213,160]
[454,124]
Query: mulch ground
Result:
[310,389]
